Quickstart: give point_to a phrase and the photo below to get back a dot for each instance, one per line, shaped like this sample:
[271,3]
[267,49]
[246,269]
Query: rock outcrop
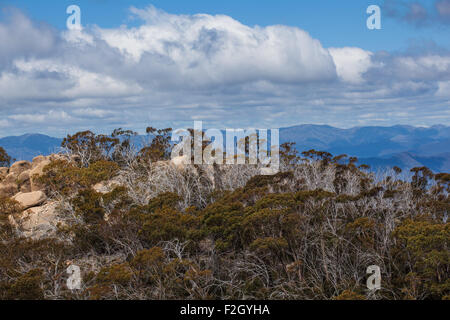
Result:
[22,176]
[8,190]
[38,165]
[180,162]
[31,199]
[11,177]
[37,160]
[106,186]
[38,222]
[39,218]
[20,166]
[3,173]
[268,171]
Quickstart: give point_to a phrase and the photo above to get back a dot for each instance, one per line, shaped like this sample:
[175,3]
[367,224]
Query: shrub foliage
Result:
[308,232]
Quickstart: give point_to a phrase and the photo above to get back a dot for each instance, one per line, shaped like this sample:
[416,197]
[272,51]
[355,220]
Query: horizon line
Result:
[280,128]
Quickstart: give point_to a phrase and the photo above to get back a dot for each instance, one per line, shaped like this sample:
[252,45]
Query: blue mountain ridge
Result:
[379,147]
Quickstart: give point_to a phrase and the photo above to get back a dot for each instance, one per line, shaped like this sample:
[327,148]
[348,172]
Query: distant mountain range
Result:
[379,147]
[28,146]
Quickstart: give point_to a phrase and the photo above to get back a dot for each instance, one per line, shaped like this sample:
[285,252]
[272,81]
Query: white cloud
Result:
[175,68]
[19,36]
[79,37]
[4,123]
[51,116]
[429,66]
[53,80]
[351,63]
[444,89]
[204,49]
[93,112]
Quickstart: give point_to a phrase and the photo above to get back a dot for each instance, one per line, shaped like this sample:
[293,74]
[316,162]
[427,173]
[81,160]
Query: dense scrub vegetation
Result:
[226,232]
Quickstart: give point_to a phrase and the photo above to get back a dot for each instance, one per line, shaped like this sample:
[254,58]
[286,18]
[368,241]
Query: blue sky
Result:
[242,63]
[335,23]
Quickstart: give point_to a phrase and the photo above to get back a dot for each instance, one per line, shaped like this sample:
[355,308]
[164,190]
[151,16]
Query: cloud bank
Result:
[172,69]
[419,14]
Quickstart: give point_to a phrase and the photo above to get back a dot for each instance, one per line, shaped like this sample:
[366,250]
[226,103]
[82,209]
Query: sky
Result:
[230,64]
